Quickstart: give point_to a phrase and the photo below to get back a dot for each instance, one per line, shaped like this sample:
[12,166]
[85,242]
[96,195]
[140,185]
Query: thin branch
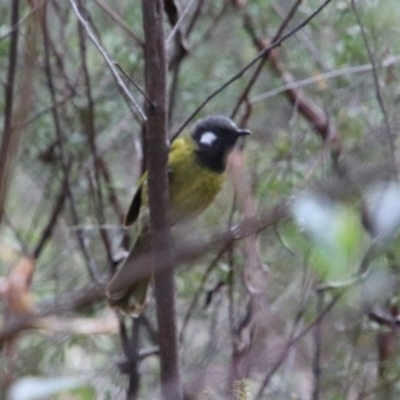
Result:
[207,35]
[117,18]
[316,362]
[46,110]
[108,61]
[65,165]
[292,341]
[88,126]
[240,73]
[179,22]
[95,292]
[318,78]
[7,151]
[197,293]
[19,23]
[48,229]
[303,38]
[391,142]
[195,18]
[190,250]
[262,62]
[131,80]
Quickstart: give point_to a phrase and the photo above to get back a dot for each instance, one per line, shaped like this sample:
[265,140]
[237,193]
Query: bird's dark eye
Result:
[208,138]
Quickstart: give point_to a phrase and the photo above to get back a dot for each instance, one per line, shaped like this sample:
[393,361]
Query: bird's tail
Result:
[131,299]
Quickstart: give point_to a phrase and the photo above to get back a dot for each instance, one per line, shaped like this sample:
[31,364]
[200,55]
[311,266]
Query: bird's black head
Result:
[215,137]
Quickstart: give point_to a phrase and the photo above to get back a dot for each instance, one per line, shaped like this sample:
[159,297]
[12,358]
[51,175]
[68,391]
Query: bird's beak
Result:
[243,132]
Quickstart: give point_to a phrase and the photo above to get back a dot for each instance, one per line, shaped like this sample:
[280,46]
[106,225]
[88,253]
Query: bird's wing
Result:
[176,155]
[134,209]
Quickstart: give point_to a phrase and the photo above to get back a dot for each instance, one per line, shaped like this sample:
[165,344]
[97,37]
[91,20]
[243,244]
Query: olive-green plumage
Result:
[196,166]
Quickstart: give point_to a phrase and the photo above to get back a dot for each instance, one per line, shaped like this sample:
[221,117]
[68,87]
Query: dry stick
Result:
[233,374]
[187,251]
[179,22]
[117,18]
[292,341]
[303,39]
[172,9]
[182,52]
[257,72]
[6,150]
[95,292]
[131,80]
[252,276]
[60,65]
[305,106]
[260,55]
[48,229]
[196,296]
[173,90]
[157,159]
[195,18]
[90,129]
[17,25]
[64,163]
[133,354]
[130,344]
[212,26]
[46,110]
[389,133]
[130,365]
[112,195]
[108,61]
[316,362]
[318,78]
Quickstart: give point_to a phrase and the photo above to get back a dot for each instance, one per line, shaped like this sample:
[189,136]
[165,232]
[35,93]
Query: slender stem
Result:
[108,61]
[240,73]
[6,149]
[391,145]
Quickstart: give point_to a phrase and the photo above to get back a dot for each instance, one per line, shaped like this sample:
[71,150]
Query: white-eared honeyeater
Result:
[196,172]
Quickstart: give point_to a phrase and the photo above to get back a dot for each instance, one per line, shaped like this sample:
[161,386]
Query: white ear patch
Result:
[208,138]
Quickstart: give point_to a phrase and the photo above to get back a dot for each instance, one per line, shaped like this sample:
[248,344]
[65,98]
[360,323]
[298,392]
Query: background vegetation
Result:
[258,318]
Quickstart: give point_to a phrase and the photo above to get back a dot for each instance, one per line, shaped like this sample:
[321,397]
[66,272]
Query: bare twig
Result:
[187,251]
[391,149]
[17,25]
[317,349]
[46,110]
[131,80]
[64,163]
[108,61]
[260,55]
[48,229]
[253,79]
[117,18]
[197,293]
[88,126]
[318,78]
[179,22]
[7,152]
[195,18]
[292,341]
[95,292]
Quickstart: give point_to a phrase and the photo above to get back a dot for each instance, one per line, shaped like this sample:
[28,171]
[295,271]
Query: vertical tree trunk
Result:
[157,157]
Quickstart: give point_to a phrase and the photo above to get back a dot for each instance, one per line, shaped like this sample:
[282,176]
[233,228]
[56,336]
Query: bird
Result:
[196,173]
